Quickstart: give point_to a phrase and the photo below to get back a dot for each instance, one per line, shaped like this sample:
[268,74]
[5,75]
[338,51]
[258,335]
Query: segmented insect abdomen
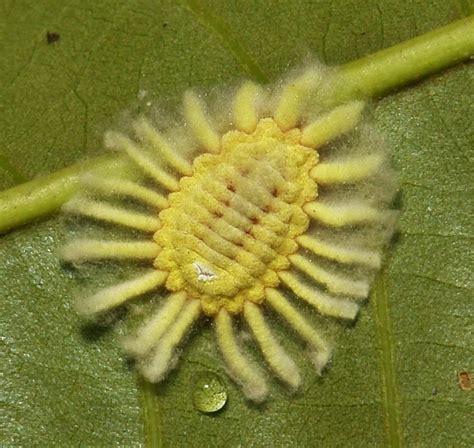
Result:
[232,224]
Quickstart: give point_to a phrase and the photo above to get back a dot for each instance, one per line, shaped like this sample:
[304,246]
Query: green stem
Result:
[409,61]
[25,202]
[370,76]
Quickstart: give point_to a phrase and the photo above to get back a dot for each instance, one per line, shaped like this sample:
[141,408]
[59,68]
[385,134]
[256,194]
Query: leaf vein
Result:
[390,398]
[218,27]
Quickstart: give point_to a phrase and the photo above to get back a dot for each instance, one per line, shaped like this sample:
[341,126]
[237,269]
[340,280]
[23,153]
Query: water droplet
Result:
[209,393]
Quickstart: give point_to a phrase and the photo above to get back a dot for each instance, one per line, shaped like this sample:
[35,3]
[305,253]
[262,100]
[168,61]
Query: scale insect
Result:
[259,199]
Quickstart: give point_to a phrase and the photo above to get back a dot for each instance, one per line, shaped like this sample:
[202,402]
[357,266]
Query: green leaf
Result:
[393,380]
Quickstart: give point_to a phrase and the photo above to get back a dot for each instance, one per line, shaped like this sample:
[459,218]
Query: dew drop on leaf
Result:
[209,392]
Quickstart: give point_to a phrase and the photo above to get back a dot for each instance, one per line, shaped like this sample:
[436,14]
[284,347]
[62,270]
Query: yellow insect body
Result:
[242,222]
[236,218]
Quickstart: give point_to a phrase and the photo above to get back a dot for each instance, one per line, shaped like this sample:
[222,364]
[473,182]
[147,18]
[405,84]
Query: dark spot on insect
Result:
[266,209]
[218,213]
[239,243]
[209,225]
[231,187]
[226,202]
[255,220]
[464,380]
[52,37]
[274,192]
[249,233]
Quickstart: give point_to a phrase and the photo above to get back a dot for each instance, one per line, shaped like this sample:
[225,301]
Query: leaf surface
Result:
[393,379]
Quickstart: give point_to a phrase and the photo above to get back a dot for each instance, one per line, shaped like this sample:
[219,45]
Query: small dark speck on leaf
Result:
[464,380]
[52,37]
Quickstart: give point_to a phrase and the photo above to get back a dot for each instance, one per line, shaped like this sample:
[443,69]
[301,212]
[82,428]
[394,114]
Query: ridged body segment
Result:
[232,224]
